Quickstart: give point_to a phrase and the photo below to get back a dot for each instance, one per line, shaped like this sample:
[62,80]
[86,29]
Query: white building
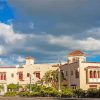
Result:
[78,73]
[21,75]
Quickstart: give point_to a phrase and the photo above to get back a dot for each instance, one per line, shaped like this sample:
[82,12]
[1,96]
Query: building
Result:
[78,73]
[25,74]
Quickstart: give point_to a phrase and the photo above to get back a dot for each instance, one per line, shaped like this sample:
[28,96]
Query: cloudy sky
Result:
[48,29]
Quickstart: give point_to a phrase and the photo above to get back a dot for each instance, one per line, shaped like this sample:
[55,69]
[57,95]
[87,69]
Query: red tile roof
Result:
[7,67]
[29,57]
[89,67]
[76,53]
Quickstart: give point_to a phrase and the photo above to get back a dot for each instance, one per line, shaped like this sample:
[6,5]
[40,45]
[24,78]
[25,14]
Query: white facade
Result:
[79,73]
[21,75]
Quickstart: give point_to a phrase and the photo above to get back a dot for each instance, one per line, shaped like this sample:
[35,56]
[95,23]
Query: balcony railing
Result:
[94,80]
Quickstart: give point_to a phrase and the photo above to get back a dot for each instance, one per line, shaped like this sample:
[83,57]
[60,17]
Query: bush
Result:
[79,92]
[67,93]
[12,87]
[93,93]
[41,91]
[52,93]
[35,94]
[10,93]
[24,94]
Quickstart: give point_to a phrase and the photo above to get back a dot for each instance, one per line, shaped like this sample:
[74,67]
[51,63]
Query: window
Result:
[62,74]
[91,74]
[74,60]
[12,75]
[66,73]
[20,75]
[95,76]
[38,75]
[71,73]
[2,76]
[28,74]
[76,74]
[98,74]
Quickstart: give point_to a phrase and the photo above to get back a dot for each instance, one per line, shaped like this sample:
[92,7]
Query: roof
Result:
[89,67]
[29,57]
[7,67]
[76,53]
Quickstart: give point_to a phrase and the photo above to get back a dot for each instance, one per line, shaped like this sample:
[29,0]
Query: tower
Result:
[29,61]
[76,56]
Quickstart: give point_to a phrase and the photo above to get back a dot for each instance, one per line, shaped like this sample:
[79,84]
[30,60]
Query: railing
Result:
[94,80]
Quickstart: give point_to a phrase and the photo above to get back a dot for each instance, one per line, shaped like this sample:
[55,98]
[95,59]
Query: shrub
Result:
[10,93]
[93,93]
[67,93]
[35,94]
[79,92]
[12,87]
[24,94]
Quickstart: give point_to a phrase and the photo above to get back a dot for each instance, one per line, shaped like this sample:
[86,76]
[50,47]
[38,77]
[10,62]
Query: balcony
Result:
[94,80]
[3,81]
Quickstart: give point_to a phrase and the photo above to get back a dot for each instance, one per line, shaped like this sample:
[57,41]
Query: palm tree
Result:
[51,77]
[48,77]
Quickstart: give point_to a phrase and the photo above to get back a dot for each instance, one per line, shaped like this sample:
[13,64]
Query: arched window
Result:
[4,76]
[95,76]
[98,74]
[76,74]
[20,75]
[91,74]
[1,76]
[73,59]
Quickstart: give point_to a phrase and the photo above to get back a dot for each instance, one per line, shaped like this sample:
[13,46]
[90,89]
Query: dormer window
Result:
[73,59]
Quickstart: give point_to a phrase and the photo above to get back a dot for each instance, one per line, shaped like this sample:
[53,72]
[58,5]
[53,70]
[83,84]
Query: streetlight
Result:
[59,80]
[17,82]
[59,75]
[30,84]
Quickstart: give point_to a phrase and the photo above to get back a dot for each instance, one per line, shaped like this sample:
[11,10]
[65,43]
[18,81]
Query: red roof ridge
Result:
[29,57]
[7,67]
[76,53]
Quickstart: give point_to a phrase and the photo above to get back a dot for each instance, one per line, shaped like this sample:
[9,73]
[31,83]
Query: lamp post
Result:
[59,75]
[59,80]
[30,89]
[69,80]
[17,82]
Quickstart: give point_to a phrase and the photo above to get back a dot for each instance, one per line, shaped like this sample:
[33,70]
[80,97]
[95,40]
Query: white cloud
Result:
[20,59]
[95,31]
[18,40]
[14,41]
[7,32]
[88,43]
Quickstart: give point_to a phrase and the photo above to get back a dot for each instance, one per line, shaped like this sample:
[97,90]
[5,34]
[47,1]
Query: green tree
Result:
[51,77]
[12,87]
[1,87]
[48,77]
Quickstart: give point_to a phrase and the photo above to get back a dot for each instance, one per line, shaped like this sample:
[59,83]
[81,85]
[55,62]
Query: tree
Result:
[12,87]
[48,77]
[51,77]
[1,87]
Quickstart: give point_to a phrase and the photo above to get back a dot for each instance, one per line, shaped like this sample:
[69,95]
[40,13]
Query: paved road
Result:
[44,98]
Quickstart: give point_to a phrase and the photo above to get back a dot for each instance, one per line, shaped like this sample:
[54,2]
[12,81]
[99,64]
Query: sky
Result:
[48,30]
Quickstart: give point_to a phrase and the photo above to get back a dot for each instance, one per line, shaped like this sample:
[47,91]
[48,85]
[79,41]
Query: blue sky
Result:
[46,29]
